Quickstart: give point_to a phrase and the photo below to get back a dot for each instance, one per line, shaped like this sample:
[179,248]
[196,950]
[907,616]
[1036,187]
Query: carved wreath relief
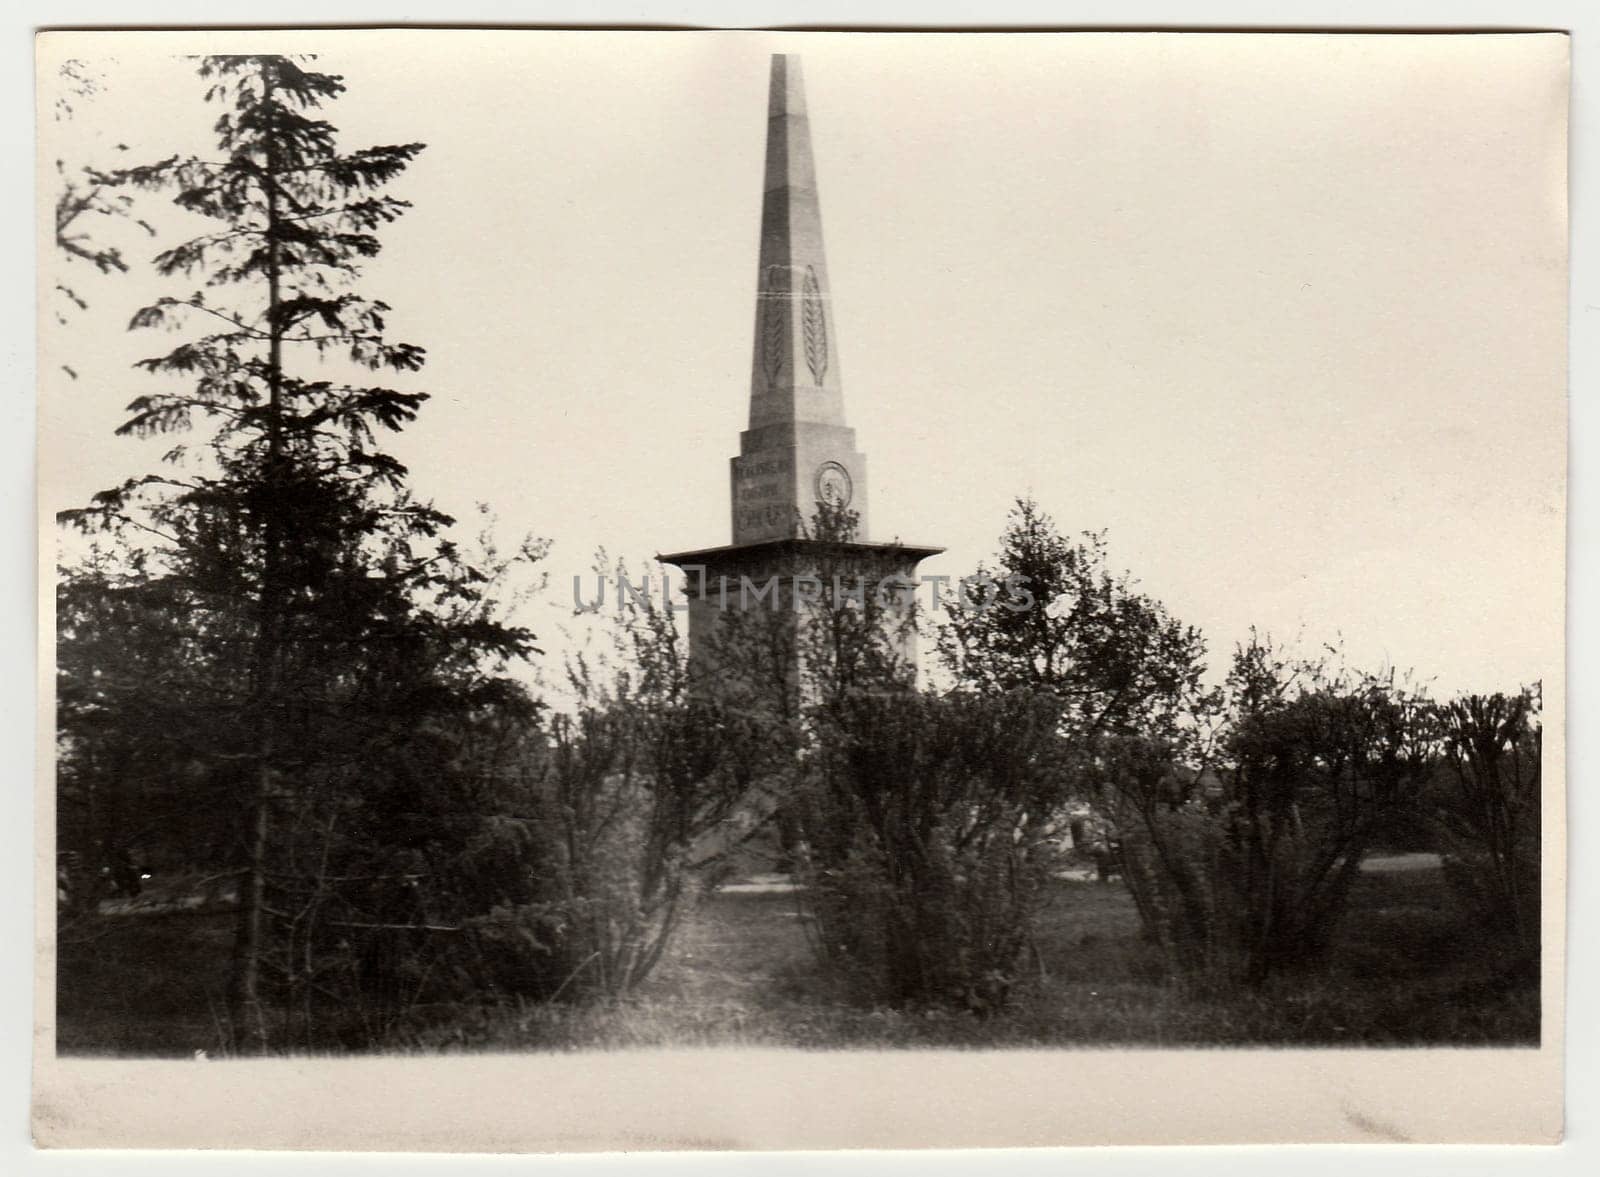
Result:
[774,310]
[815,325]
[777,292]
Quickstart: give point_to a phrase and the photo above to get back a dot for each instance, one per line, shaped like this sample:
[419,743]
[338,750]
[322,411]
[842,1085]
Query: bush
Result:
[1250,877]
[624,824]
[1487,805]
[933,827]
[1169,847]
[619,822]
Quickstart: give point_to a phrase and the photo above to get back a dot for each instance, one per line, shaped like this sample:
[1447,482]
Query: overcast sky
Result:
[1286,316]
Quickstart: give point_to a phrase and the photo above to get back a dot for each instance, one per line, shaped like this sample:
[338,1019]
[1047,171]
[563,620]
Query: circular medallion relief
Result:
[833,485]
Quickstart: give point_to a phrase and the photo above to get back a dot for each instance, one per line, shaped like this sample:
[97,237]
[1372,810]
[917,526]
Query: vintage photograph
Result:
[578,543]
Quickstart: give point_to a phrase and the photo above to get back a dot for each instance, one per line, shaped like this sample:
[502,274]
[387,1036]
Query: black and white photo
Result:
[565,549]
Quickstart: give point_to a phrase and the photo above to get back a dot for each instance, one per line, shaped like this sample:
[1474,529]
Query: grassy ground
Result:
[151,986]
[1406,972]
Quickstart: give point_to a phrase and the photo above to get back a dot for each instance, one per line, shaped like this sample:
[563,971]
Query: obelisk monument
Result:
[796,453]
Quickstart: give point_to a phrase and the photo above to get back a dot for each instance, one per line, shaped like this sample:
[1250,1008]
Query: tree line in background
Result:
[280,676]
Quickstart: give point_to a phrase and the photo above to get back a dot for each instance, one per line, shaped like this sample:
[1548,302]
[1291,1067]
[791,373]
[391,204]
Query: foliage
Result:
[1050,616]
[1487,806]
[627,813]
[87,197]
[845,624]
[144,718]
[920,827]
[1250,877]
[1113,657]
[933,826]
[923,829]
[337,642]
[856,630]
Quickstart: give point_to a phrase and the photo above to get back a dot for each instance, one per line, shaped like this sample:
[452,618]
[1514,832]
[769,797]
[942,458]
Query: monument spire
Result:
[797,450]
[795,373]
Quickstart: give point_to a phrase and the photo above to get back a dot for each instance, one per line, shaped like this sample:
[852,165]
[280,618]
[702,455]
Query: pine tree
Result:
[331,595]
[86,199]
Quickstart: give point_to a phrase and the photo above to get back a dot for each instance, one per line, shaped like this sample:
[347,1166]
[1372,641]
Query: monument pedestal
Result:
[786,580]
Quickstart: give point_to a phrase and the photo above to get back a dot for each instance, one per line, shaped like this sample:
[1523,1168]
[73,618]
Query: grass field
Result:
[1406,972]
